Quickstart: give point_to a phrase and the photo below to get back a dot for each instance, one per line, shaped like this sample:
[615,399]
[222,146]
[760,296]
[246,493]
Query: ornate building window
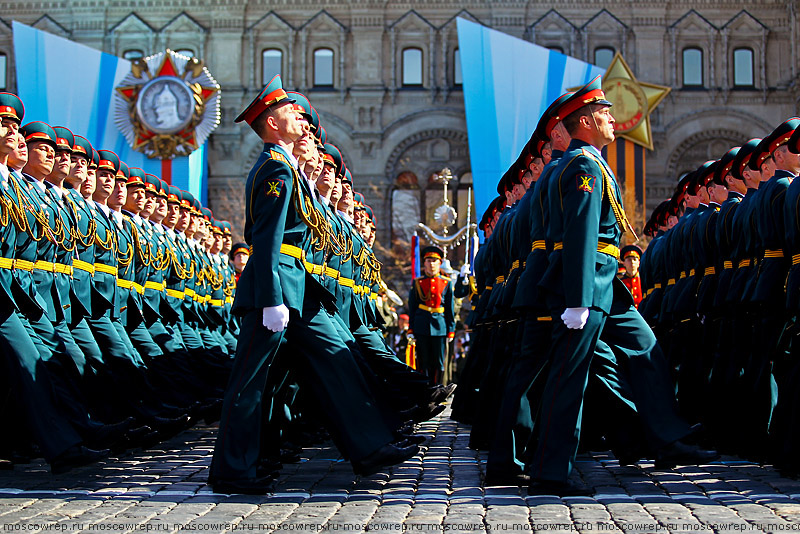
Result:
[323,67]
[271,64]
[743,67]
[457,80]
[185,52]
[412,67]
[132,54]
[692,67]
[405,206]
[3,71]
[603,56]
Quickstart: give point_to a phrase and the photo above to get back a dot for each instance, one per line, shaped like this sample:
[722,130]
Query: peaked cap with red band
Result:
[549,119]
[82,147]
[271,94]
[724,166]
[432,252]
[591,93]
[303,105]
[136,177]
[770,143]
[743,157]
[64,138]
[39,131]
[333,152]
[11,106]
[109,161]
[95,161]
[152,183]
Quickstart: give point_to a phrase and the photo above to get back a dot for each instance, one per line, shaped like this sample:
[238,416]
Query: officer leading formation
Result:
[560,357]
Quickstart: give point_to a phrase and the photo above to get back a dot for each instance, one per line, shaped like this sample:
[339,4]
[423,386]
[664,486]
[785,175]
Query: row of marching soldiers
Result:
[115,299]
[721,283]
[556,226]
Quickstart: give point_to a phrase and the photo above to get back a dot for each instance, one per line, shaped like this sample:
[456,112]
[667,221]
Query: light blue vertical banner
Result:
[507,84]
[52,92]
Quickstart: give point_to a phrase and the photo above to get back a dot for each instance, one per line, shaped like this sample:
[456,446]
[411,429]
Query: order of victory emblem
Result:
[168,105]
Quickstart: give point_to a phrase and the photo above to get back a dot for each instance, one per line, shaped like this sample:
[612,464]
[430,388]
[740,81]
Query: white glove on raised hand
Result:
[575,318]
[276,318]
[465,270]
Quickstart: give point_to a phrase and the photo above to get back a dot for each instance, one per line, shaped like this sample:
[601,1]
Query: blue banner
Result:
[64,83]
[507,83]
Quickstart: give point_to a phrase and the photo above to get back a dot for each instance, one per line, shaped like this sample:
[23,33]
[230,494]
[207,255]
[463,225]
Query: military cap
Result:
[591,93]
[186,199]
[64,138]
[333,157]
[551,116]
[95,161]
[304,107]
[173,195]
[630,250]
[323,135]
[123,173]
[432,251]
[11,106]
[358,199]
[271,94]
[724,166]
[347,178]
[370,213]
[136,177]
[315,120]
[216,226]
[163,188]
[505,181]
[196,207]
[705,174]
[109,161]
[239,248]
[226,228]
[743,157]
[794,141]
[39,131]
[82,147]
[683,185]
[151,183]
[207,215]
[778,137]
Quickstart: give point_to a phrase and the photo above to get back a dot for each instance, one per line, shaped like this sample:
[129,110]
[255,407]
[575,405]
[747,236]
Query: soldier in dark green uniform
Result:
[273,293]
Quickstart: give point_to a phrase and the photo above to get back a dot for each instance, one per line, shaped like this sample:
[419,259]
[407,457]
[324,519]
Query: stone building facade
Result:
[385,75]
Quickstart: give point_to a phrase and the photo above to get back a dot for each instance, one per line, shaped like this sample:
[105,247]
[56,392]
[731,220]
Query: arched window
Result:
[132,54]
[412,67]
[405,206]
[743,67]
[603,56]
[323,67]
[271,64]
[457,67]
[185,52]
[692,67]
[3,71]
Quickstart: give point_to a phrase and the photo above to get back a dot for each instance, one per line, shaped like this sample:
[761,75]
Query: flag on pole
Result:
[415,261]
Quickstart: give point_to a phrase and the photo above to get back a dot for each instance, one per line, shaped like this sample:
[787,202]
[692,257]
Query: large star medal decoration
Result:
[168,105]
[633,101]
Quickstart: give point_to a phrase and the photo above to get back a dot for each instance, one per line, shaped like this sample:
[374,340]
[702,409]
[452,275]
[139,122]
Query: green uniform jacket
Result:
[581,216]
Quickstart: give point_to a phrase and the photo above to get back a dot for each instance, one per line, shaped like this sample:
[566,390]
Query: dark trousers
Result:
[326,365]
[430,353]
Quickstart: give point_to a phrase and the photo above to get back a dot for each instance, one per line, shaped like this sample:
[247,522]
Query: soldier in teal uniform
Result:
[585,225]
[274,293]
[431,314]
[50,430]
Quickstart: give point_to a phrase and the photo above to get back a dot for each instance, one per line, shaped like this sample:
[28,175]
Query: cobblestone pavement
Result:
[440,490]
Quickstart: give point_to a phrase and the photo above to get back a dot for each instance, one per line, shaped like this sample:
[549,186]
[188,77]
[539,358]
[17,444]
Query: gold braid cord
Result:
[616,207]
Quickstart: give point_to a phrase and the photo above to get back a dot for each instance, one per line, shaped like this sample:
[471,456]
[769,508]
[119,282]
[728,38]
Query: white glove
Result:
[465,270]
[276,318]
[410,336]
[575,318]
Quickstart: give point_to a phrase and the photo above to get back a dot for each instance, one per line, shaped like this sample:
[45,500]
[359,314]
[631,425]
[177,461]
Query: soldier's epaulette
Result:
[274,154]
